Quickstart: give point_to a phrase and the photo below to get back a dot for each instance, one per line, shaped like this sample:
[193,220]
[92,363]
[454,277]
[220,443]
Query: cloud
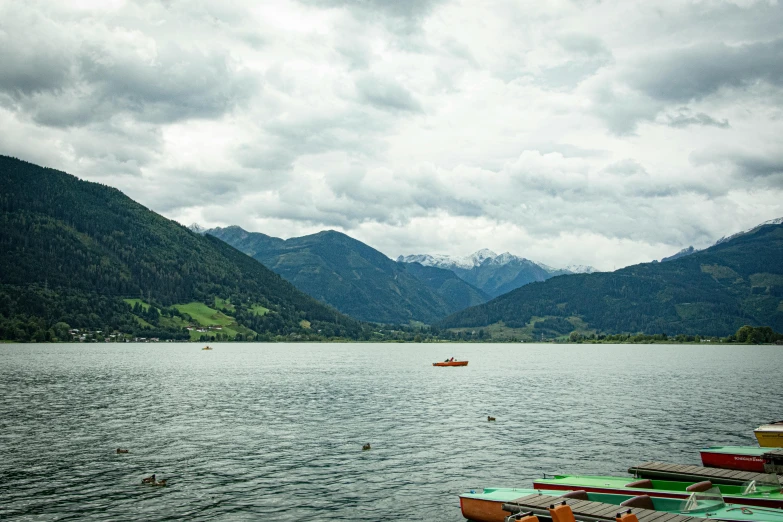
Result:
[763,168]
[74,71]
[568,132]
[684,118]
[694,72]
[400,16]
[622,108]
[386,94]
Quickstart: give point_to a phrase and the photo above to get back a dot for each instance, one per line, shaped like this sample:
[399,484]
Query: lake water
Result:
[275,431]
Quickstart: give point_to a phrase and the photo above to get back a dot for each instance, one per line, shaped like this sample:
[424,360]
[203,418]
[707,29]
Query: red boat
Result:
[744,458]
[451,363]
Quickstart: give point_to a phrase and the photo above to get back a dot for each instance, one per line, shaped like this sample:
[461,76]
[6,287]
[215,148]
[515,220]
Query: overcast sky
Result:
[594,132]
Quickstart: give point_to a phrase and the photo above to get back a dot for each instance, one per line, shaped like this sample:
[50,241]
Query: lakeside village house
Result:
[95,336]
[85,336]
[204,329]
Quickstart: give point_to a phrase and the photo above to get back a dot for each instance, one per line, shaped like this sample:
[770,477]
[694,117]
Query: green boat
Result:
[486,505]
[765,493]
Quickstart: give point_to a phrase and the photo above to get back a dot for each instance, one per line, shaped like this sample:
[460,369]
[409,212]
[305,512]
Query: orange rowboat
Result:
[452,363]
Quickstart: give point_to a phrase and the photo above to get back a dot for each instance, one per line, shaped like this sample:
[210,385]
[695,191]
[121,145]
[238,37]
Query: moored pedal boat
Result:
[754,493]
[743,458]
[487,505]
[770,435]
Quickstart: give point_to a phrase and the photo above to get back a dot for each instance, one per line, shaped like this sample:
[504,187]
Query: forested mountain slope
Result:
[357,279]
[78,253]
[711,292]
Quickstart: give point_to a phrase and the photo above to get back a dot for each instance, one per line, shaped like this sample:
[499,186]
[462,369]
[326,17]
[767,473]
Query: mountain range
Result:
[355,278]
[78,255]
[691,250]
[82,257]
[494,274]
[736,282]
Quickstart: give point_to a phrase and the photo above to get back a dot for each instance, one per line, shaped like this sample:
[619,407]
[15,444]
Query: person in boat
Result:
[446,360]
[452,359]
[149,480]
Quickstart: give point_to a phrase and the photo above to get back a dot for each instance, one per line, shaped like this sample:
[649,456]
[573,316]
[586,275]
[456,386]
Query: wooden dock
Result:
[589,511]
[685,473]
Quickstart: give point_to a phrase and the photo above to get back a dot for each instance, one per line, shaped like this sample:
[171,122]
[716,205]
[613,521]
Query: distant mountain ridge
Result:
[682,253]
[357,279]
[494,274]
[691,250]
[776,221]
[736,282]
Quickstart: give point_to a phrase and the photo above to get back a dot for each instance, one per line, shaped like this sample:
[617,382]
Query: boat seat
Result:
[579,494]
[645,483]
[699,487]
[640,501]
[561,513]
[626,517]
[528,518]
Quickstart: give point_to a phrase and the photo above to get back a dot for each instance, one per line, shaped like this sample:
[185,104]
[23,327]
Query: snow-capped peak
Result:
[482,255]
[446,261]
[504,258]
[580,269]
[485,256]
[198,229]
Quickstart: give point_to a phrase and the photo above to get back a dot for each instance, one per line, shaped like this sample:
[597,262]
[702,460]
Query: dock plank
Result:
[579,504]
[645,515]
[592,509]
[609,511]
[656,516]
[668,517]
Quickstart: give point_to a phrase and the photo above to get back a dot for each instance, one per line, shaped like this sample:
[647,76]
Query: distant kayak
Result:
[451,363]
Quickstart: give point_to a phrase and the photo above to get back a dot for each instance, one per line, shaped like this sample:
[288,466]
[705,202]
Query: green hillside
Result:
[72,252]
[357,279]
[712,292]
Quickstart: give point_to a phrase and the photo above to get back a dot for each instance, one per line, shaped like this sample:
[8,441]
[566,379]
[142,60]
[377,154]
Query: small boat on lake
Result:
[744,458]
[207,348]
[451,363]
[770,435]
[754,493]
[487,505]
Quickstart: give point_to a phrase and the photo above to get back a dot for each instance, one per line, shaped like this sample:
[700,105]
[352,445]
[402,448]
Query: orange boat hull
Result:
[480,510]
[453,363]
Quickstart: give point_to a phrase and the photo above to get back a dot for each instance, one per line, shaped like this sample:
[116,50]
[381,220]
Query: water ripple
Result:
[274,432]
